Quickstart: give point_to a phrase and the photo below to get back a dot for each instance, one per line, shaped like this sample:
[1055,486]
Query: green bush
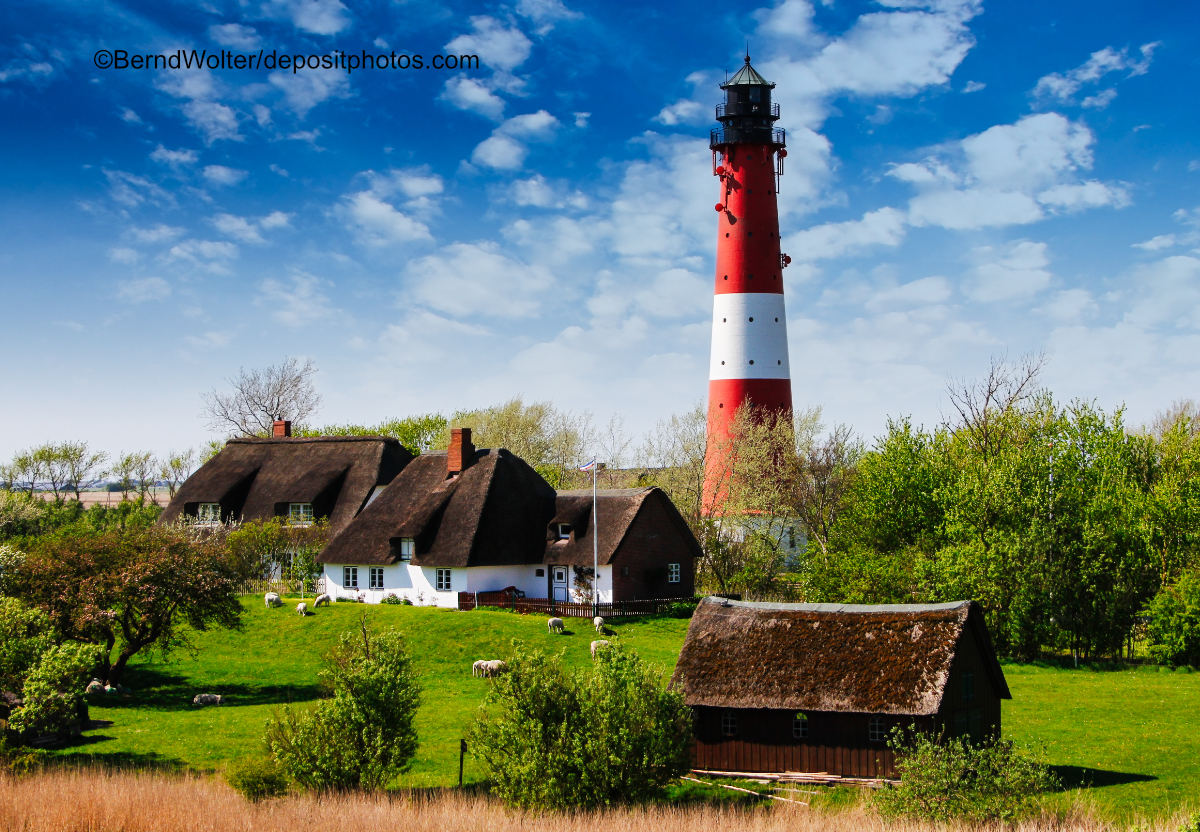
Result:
[25,634]
[53,693]
[365,735]
[1174,630]
[256,778]
[953,779]
[18,759]
[552,739]
[680,609]
[392,598]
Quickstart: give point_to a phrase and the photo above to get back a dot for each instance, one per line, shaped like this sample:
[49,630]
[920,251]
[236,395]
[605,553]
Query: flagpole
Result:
[595,546]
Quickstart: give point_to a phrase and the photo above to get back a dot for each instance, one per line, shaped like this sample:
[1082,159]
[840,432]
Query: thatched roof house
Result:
[816,687]
[309,478]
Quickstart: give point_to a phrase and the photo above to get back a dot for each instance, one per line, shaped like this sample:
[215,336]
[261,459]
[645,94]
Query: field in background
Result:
[1133,734]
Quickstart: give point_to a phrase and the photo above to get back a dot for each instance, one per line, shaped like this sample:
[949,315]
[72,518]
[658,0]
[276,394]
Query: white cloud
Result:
[884,227]
[477,279]
[581,119]
[207,254]
[1063,87]
[221,175]
[213,119]
[1157,243]
[301,303]
[237,227]
[546,13]
[973,86]
[472,94]
[691,110]
[143,289]
[235,36]
[130,116]
[131,190]
[275,219]
[973,209]
[174,158]
[124,256]
[1100,100]
[319,17]
[498,46]
[927,291]
[506,148]
[209,340]
[378,223]
[305,90]
[1014,273]
[157,234]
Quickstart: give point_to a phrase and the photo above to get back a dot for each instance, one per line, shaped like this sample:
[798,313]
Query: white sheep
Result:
[302,608]
[273,600]
[477,667]
[322,600]
[598,622]
[487,668]
[208,699]
[598,645]
[555,625]
[95,686]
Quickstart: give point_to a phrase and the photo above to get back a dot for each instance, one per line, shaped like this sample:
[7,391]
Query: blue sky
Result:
[964,179]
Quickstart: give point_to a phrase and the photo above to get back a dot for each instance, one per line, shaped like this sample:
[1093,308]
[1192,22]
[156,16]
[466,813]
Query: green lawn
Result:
[1135,732]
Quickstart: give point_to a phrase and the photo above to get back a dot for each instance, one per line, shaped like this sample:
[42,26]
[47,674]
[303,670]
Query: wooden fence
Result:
[261,587]
[571,609]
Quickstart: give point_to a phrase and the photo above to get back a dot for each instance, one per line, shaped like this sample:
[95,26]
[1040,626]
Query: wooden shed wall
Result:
[981,713]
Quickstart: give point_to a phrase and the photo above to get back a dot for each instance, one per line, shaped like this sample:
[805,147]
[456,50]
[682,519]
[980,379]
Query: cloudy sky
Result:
[964,179]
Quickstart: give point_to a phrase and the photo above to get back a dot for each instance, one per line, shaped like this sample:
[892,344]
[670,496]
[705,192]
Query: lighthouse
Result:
[749,361]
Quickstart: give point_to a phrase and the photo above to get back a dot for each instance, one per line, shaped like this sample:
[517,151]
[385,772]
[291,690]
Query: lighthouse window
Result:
[726,233]
[751,360]
[772,233]
[776,320]
[722,363]
[751,320]
[778,362]
[755,94]
[749,233]
[722,320]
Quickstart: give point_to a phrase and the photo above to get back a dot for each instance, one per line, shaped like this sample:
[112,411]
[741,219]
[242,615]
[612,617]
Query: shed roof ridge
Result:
[846,608]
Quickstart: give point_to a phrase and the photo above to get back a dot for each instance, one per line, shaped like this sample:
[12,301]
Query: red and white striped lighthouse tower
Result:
[749,363]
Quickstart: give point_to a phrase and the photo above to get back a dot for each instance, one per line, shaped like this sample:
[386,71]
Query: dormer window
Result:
[300,512]
[408,547]
[564,531]
[208,513]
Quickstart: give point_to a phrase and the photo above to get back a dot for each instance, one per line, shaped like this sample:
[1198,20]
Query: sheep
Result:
[598,622]
[208,699]
[487,668]
[598,645]
[322,599]
[273,600]
[95,686]
[496,667]
[555,625]
[302,608]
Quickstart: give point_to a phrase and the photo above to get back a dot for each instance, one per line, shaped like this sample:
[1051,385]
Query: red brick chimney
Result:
[461,452]
[281,428]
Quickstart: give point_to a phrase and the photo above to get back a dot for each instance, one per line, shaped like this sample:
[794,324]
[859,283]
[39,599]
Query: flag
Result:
[589,466]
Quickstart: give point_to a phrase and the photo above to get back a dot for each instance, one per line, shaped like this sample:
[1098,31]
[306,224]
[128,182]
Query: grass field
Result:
[1133,734]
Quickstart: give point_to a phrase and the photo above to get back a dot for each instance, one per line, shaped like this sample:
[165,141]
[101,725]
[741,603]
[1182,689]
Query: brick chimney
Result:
[461,452]
[281,428]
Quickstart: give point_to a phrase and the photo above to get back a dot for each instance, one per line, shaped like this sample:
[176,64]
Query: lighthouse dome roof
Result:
[747,76]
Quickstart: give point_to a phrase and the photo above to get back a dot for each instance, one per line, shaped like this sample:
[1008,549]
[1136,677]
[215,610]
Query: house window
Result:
[875,732]
[791,537]
[728,724]
[443,580]
[376,577]
[407,547]
[208,513]
[300,512]
[564,531]
[350,577]
[560,575]
[673,572]
[539,573]
[968,686]
[800,727]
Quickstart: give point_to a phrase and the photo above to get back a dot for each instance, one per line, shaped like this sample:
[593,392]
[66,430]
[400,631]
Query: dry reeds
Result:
[92,801]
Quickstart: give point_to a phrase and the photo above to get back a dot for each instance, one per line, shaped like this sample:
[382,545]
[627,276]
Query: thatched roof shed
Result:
[891,659]
[618,508]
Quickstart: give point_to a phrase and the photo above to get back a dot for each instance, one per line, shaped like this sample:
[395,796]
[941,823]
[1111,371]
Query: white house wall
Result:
[418,583]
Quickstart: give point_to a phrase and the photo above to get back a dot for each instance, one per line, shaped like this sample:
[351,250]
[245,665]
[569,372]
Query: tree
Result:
[365,735]
[259,397]
[132,590]
[426,432]
[1174,629]
[176,468]
[135,470]
[83,466]
[554,739]
[258,548]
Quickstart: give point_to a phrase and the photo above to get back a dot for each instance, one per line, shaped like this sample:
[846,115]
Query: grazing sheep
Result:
[487,668]
[555,625]
[598,622]
[95,686]
[302,608]
[273,600]
[207,699]
[322,599]
[598,645]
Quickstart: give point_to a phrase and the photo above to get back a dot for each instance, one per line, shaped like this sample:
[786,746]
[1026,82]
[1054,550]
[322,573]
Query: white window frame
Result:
[443,580]
[729,724]
[376,577]
[297,513]
[674,571]
[875,730]
[349,577]
[564,531]
[205,512]
[408,548]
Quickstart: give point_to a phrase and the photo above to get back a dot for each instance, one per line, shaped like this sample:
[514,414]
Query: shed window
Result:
[624,571]
[407,547]
[443,580]
[300,512]
[875,732]
[540,573]
[728,724]
[673,572]
[208,513]
[800,727]
[376,577]
[350,577]
[968,686]
[564,531]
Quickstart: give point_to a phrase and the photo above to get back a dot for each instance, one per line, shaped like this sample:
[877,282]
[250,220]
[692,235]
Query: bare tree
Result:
[83,466]
[135,471]
[176,468]
[984,405]
[820,480]
[1181,411]
[259,397]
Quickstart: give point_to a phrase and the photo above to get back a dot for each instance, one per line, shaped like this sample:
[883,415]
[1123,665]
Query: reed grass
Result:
[83,800]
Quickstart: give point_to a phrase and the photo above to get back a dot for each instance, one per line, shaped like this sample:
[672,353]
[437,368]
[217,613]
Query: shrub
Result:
[392,598]
[25,634]
[256,778]
[18,759]
[365,735]
[955,779]
[53,693]
[680,609]
[1174,630]
[553,739]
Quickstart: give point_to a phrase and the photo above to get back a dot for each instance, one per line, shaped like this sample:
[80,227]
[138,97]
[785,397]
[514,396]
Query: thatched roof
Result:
[252,478]
[618,509]
[828,657]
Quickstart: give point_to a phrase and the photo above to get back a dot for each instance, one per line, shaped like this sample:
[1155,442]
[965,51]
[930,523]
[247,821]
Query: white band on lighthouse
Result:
[749,336]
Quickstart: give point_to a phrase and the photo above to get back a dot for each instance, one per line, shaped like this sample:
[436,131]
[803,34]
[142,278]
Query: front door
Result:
[559,583]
